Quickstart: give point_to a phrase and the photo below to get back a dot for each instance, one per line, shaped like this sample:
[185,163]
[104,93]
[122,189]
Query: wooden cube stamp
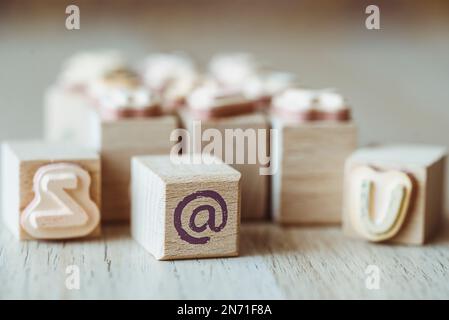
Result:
[185,210]
[67,116]
[117,141]
[394,193]
[255,186]
[50,191]
[310,157]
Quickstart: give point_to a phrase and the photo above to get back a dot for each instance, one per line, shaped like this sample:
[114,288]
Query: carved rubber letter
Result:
[379,202]
[62,207]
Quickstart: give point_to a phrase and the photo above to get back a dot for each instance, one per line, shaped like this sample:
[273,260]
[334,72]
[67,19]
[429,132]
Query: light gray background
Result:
[396,79]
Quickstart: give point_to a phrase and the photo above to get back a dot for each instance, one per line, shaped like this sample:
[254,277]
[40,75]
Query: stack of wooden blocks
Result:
[91,170]
[115,141]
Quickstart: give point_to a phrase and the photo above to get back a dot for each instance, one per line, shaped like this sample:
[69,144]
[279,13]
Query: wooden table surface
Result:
[275,263]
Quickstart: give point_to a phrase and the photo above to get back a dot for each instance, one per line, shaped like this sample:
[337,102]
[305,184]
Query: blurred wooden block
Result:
[50,191]
[308,186]
[255,187]
[185,210]
[117,141]
[67,116]
[425,168]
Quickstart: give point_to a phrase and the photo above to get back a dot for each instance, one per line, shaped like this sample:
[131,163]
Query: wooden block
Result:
[255,187]
[67,116]
[394,193]
[117,141]
[120,141]
[185,210]
[50,191]
[310,157]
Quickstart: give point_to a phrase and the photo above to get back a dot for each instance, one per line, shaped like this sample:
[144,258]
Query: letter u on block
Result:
[62,207]
[379,202]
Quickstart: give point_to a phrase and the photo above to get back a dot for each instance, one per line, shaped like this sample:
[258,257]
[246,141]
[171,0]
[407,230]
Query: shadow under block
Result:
[255,187]
[425,165]
[182,211]
[116,141]
[50,190]
[308,185]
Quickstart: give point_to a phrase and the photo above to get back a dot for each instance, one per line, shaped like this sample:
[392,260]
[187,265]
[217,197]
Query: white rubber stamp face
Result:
[379,202]
[62,207]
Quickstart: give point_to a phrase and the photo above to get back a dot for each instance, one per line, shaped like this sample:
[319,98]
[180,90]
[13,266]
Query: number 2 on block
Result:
[62,207]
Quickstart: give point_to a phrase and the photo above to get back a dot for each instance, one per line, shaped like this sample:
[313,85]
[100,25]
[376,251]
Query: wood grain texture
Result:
[308,186]
[274,263]
[20,162]
[426,165]
[255,187]
[165,197]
